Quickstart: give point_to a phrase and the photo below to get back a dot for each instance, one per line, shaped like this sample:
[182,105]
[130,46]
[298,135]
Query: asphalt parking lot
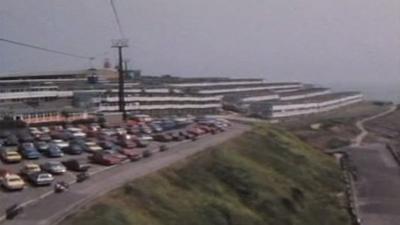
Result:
[53,207]
[31,193]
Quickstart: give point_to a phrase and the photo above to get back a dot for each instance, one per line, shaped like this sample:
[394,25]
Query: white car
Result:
[93,146]
[60,143]
[74,129]
[145,137]
[45,129]
[79,134]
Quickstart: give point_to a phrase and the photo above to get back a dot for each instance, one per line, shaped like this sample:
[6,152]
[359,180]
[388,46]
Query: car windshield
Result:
[14,179]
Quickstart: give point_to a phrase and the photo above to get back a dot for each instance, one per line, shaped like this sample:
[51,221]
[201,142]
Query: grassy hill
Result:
[264,177]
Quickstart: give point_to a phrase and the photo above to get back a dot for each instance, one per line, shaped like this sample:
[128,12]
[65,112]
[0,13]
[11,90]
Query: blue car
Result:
[54,151]
[29,151]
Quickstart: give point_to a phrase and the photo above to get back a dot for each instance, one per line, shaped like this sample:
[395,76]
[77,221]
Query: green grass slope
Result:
[264,177]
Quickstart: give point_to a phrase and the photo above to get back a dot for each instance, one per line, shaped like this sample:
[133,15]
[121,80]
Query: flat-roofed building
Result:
[306,106]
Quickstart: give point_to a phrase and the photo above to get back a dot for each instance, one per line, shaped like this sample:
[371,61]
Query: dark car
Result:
[162,138]
[186,135]
[76,165]
[40,178]
[141,143]
[74,149]
[4,133]
[147,153]
[54,151]
[11,140]
[25,137]
[42,146]
[29,151]
[163,148]
[176,137]
[108,145]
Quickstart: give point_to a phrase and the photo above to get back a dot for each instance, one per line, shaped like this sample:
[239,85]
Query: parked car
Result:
[127,143]
[61,143]
[29,151]
[42,146]
[25,137]
[54,167]
[147,153]
[163,148]
[54,151]
[74,149]
[107,145]
[12,182]
[131,153]
[145,137]
[40,178]
[11,140]
[76,165]
[92,147]
[176,137]
[30,168]
[105,158]
[162,138]
[44,137]
[4,133]
[185,135]
[10,155]
[141,143]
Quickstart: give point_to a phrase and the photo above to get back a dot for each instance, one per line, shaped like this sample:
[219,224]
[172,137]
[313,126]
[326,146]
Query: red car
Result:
[131,153]
[107,158]
[195,131]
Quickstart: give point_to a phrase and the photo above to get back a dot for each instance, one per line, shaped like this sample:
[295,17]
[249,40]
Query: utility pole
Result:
[120,44]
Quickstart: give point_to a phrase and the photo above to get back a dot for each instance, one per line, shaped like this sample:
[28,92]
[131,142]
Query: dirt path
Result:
[357,141]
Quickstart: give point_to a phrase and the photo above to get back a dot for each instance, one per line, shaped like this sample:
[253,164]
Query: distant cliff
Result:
[266,176]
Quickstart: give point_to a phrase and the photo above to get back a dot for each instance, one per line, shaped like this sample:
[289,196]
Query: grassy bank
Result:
[266,176]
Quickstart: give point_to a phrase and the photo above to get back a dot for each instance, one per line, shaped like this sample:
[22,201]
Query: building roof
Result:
[303,91]
[51,106]
[317,99]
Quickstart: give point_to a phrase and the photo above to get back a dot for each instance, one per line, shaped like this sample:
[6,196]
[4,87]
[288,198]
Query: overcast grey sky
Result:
[305,40]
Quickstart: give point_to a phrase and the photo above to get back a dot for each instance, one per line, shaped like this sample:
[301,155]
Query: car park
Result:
[76,165]
[54,167]
[29,151]
[30,168]
[10,155]
[40,178]
[12,182]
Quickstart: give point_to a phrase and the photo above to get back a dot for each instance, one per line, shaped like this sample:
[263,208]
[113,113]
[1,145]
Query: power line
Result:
[45,49]
[115,11]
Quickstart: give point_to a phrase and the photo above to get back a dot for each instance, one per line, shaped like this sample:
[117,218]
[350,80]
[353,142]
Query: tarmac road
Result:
[377,185]
[55,207]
